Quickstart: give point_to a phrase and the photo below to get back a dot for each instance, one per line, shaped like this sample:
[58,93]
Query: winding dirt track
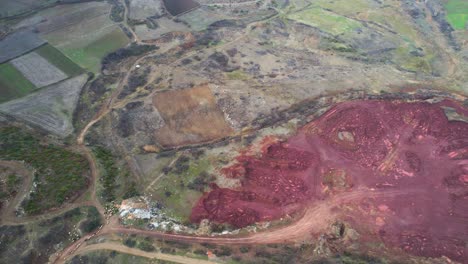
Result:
[316,219]
[8,213]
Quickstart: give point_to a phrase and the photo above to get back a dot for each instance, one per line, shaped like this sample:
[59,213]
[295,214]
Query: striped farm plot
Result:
[38,70]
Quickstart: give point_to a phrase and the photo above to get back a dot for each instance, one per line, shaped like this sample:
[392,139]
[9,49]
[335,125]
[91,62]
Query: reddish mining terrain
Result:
[370,145]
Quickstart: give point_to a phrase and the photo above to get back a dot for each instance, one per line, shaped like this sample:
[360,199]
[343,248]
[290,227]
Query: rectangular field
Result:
[325,20]
[12,8]
[56,58]
[457,13]
[90,56]
[12,83]
[38,70]
[17,44]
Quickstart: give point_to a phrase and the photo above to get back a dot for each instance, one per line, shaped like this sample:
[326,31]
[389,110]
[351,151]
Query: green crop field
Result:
[457,13]
[90,56]
[326,21]
[12,83]
[59,60]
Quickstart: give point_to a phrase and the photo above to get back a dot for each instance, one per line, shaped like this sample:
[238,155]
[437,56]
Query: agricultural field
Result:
[50,108]
[13,84]
[177,7]
[13,8]
[56,58]
[457,14]
[83,32]
[142,9]
[38,70]
[90,56]
[325,20]
[19,43]
[200,18]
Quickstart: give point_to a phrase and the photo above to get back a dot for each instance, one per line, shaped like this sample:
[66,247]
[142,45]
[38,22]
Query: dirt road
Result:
[137,252]
[316,219]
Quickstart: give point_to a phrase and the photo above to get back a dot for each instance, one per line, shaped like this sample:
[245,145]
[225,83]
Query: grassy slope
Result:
[59,172]
[90,57]
[325,20]
[181,200]
[59,60]
[457,13]
[12,83]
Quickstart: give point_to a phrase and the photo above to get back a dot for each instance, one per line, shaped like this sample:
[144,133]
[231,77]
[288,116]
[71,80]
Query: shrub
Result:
[129,242]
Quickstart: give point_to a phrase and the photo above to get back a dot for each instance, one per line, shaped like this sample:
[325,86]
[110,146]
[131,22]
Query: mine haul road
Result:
[316,219]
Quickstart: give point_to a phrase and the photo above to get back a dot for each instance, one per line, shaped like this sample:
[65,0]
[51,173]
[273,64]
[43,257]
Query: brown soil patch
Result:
[191,116]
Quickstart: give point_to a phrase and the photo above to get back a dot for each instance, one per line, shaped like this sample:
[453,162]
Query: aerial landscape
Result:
[234,131]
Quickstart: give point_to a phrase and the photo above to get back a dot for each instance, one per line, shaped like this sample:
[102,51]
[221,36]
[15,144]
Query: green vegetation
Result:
[182,186]
[343,7]
[114,181]
[90,57]
[92,222]
[59,60]
[325,20]
[108,174]
[236,75]
[9,186]
[406,61]
[13,84]
[59,172]
[36,241]
[457,13]
[146,246]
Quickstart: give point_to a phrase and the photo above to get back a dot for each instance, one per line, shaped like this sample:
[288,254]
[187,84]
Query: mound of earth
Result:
[408,148]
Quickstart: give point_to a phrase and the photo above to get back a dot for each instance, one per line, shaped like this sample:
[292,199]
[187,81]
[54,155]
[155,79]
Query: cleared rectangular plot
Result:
[191,116]
[38,70]
[12,83]
[17,44]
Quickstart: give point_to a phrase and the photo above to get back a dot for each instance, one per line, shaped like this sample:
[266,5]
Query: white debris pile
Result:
[134,208]
[142,208]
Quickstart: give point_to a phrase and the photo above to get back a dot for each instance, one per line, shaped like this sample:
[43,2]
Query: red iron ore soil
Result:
[371,145]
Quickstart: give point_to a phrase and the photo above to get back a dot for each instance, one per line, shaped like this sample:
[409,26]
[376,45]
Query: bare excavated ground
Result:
[319,123]
[386,146]
[190,116]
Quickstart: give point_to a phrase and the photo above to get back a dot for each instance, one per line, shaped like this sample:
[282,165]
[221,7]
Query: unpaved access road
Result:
[132,251]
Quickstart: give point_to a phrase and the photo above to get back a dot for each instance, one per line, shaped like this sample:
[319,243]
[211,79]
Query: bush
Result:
[110,172]
[199,252]
[244,249]
[123,53]
[129,242]
[146,246]
[224,251]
